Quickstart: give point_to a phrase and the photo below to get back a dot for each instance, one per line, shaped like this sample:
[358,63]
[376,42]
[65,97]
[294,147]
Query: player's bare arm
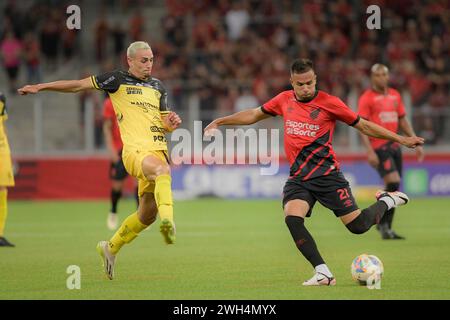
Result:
[59,86]
[372,157]
[245,117]
[376,131]
[407,129]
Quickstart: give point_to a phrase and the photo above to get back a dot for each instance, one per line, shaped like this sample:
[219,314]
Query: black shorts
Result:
[12,72]
[332,191]
[117,169]
[390,156]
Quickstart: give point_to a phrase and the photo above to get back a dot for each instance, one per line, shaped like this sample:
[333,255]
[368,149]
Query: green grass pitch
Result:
[224,250]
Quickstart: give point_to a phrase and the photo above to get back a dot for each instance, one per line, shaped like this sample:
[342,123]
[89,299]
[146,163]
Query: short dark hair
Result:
[301,66]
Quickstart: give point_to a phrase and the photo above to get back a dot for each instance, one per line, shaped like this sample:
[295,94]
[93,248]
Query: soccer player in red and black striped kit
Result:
[309,119]
[383,106]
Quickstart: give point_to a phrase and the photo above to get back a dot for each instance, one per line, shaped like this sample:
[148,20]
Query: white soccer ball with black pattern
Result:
[364,266]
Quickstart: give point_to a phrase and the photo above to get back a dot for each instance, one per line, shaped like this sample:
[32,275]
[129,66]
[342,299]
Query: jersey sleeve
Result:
[342,112]
[109,81]
[108,110]
[3,113]
[273,107]
[163,107]
[364,106]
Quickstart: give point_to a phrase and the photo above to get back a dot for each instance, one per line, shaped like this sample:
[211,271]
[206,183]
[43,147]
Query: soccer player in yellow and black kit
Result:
[140,104]
[6,172]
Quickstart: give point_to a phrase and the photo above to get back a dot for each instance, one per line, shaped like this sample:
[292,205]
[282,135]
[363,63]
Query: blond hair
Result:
[135,46]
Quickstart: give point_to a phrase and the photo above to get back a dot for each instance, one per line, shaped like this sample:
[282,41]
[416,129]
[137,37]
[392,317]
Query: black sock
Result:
[386,221]
[368,217]
[115,196]
[388,218]
[303,240]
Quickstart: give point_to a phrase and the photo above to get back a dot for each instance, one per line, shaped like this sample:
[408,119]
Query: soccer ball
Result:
[364,266]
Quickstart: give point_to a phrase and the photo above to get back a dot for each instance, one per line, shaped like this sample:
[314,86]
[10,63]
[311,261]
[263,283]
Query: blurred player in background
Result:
[140,104]
[309,118]
[117,171]
[6,172]
[383,106]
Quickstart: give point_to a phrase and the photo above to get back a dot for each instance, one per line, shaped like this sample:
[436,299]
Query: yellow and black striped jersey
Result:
[4,146]
[139,106]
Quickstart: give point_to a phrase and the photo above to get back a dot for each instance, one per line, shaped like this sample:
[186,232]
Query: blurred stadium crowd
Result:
[236,54]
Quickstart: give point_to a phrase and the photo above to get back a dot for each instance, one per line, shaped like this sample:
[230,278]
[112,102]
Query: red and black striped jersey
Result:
[308,131]
[382,109]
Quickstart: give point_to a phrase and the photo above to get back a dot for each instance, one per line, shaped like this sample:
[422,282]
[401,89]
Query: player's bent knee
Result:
[162,170]
[153,167]
[358,225]
[349,217]
[296,207]
[356,229]
[156,171]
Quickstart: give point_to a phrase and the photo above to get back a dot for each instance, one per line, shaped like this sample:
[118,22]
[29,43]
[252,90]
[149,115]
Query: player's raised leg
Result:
[360,221]
[128,231]
[295,212]
[158,170]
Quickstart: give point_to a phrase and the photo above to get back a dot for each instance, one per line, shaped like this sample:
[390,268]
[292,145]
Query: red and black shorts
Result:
[390,156]
[332,191]
[117,169]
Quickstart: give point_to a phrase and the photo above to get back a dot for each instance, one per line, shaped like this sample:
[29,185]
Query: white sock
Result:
[389,202]
[322,268]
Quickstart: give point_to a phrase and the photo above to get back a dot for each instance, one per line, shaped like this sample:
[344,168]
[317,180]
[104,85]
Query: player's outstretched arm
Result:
[171,121]
[376,131]
[406,127]
[60,86]
[245,117]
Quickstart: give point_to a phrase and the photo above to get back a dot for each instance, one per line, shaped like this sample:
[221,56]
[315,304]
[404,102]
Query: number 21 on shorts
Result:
[343,193]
